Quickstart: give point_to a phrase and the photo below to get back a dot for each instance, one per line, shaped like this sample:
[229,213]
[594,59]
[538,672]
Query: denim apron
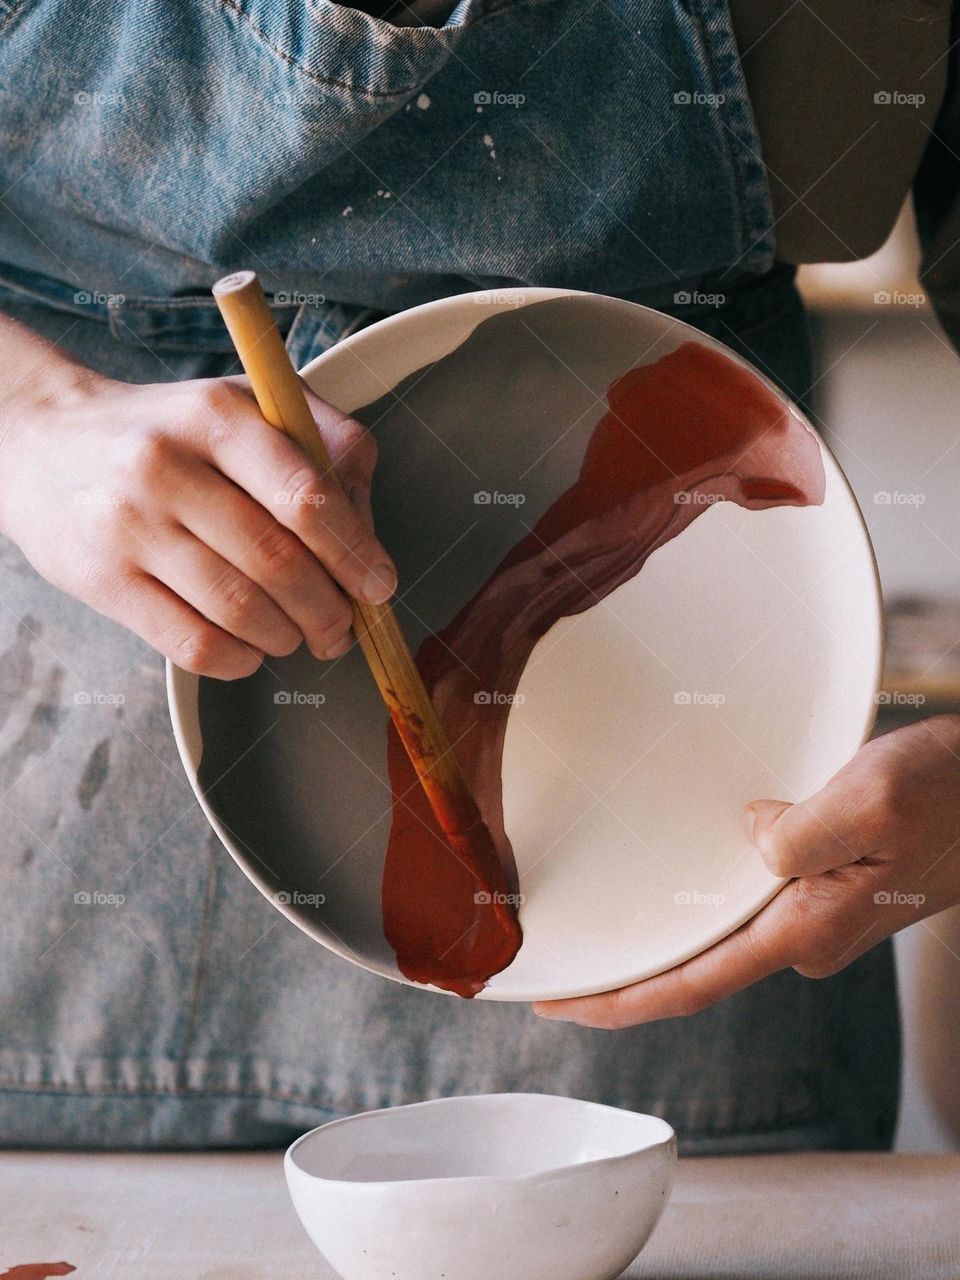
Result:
[149,996]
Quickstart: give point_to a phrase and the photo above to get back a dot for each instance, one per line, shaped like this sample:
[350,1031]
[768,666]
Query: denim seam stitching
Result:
[741,137]
[236,7]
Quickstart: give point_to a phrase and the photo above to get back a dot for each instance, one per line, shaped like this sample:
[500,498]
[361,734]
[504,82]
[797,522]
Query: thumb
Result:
[759,822]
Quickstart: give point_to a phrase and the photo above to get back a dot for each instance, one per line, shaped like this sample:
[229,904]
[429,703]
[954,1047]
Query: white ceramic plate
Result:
[741,662]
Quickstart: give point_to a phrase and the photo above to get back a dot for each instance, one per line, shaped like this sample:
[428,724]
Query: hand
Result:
[877,849]
[178,511]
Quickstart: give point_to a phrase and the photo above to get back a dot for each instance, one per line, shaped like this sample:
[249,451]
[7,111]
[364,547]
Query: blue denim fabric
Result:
[144,149]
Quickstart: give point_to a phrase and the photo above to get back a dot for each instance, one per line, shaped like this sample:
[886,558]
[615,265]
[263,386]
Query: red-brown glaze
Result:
[37,1271]
[690,429]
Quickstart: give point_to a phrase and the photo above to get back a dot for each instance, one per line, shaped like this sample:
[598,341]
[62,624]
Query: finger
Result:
[234,526]
[179,632]
[350,445]
[764,945]
[352,450]
[307,499]
[219,591]
[820,834]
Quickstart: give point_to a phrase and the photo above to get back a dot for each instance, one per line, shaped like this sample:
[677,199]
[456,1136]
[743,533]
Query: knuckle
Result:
[199,651]
[333,628]
[148,459]
[887,800]
[215,404]
[238,597]
[302,493]
[279,551]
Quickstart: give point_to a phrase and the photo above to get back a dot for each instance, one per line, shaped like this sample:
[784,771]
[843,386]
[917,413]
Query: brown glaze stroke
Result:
[679,434]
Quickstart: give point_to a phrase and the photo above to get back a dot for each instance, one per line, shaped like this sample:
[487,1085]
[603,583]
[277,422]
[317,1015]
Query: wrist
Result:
[52,386]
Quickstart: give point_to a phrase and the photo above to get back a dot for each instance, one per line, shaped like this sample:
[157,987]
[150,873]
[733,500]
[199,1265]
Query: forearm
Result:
[40,375]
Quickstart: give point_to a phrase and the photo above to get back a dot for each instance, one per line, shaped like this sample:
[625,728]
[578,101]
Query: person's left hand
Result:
[877,849]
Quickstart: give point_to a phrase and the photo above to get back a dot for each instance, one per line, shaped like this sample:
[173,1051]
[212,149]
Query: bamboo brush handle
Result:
[279,393]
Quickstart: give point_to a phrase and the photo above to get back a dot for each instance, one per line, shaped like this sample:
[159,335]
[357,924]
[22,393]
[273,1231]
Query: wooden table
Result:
[227,1217]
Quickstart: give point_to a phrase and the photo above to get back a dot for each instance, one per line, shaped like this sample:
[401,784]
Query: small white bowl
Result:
[508,1186]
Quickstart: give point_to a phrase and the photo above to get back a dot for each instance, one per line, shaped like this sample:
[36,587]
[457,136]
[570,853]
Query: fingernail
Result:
[380,584]
[750,822]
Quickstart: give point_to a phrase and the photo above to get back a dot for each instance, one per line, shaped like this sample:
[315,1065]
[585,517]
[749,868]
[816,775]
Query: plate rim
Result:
[183,687]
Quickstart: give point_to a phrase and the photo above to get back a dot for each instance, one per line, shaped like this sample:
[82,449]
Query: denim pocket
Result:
[189,323]
[341,48]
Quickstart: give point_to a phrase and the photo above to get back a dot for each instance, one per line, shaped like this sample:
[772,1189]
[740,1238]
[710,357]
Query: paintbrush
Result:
[279,393]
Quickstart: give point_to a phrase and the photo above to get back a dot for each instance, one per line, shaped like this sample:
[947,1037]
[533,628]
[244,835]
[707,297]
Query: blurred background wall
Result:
[887,401]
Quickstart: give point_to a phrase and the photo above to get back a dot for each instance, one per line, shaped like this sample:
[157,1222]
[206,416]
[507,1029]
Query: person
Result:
[364,162]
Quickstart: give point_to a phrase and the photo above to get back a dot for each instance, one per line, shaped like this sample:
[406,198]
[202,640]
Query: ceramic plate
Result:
[740,662]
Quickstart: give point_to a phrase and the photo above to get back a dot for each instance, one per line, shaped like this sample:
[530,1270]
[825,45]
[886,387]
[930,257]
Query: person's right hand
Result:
[178,511]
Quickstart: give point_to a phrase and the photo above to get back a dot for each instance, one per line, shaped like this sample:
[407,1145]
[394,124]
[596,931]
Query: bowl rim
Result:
[182,686]
[667,1140]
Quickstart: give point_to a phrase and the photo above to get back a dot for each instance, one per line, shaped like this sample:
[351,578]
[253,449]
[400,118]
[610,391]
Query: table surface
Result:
[227,1217]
